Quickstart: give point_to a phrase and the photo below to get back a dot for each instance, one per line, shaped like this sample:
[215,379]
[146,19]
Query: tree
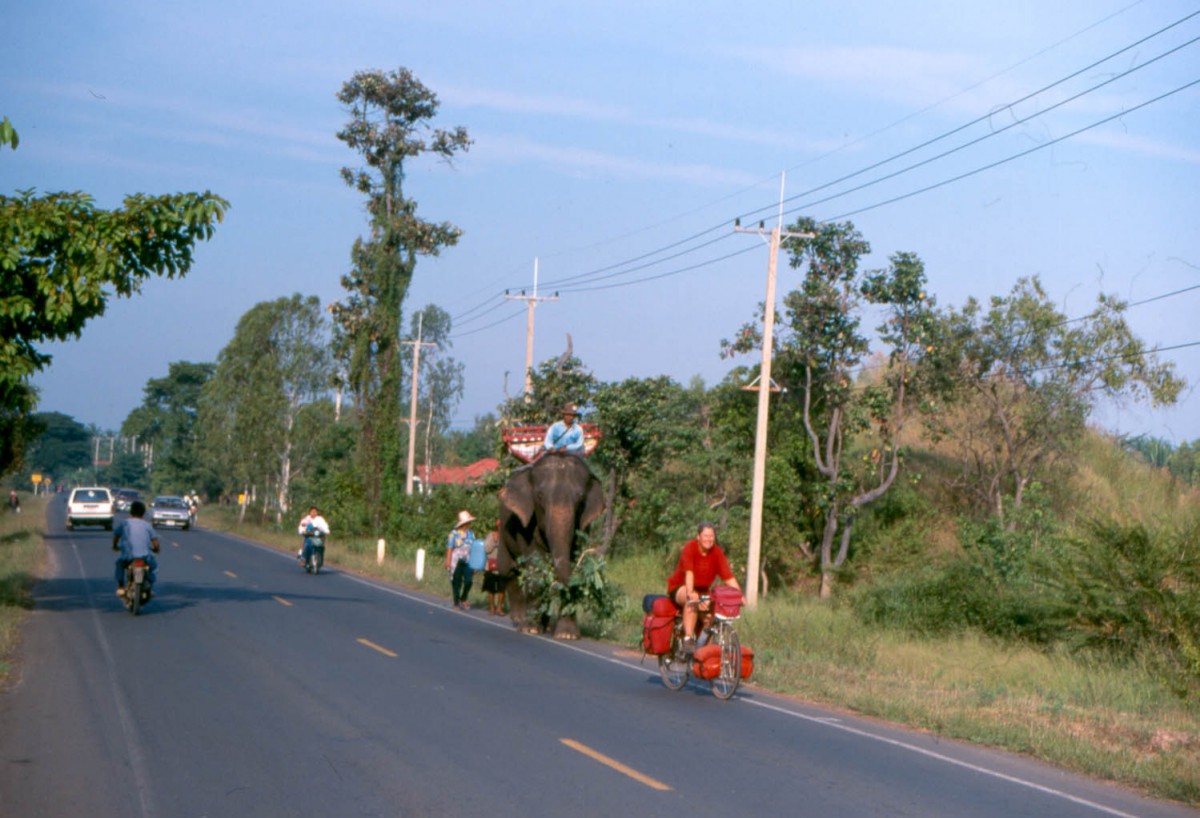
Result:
[822,348]
[62,259]
[440,382]
[64,446]
[277,363]
[166,424]
[1030,377]
[553,384]
[389,126]
[642,423]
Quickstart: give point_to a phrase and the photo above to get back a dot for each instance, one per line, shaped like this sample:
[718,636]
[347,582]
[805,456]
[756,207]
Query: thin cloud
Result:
[1144,147]
[584,162]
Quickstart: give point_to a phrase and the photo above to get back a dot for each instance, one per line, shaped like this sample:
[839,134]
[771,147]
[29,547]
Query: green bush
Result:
[959,596]
[1134,592]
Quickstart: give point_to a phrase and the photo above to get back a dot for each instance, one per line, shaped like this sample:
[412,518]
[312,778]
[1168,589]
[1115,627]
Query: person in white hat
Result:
[460,548]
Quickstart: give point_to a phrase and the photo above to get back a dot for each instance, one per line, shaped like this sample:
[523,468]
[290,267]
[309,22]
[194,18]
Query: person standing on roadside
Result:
[493,582]
[458,559]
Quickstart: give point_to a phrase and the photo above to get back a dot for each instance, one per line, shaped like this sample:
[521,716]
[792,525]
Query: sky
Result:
[615,143]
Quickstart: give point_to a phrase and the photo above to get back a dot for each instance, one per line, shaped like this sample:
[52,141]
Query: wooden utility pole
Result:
[765,383]
[412,414]
[532,301]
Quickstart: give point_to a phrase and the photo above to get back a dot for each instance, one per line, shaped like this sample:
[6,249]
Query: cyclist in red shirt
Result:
[701,562]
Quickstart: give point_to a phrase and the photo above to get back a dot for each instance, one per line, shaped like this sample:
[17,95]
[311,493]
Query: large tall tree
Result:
[62,259]
[823,350]
[275,366]
[1029,379]
[389,125]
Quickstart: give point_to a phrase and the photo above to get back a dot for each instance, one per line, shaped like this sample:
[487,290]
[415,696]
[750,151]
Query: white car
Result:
[90,505]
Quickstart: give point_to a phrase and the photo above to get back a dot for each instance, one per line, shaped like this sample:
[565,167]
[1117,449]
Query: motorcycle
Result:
[137,585]
[315,540]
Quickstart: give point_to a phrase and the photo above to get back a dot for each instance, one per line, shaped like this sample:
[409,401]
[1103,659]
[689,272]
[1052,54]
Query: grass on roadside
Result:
[20,552]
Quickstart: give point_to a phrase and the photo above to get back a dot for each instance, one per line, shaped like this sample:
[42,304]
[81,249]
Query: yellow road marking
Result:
[197,557]
[373,646]
[281,601]
[616,765]
[231,574]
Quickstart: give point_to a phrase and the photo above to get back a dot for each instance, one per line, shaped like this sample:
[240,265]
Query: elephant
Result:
[541,507]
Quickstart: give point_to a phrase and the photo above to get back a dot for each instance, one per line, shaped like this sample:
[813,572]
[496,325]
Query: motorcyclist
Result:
[135,539]
[314,528]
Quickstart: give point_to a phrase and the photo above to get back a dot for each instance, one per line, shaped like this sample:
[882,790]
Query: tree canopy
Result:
[62,258]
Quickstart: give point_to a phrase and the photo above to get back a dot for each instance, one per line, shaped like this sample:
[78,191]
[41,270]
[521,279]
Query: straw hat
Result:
[570,409]
[464,517]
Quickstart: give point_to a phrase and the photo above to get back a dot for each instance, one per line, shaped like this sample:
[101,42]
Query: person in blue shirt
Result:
[565,435]
[135,539]
[463,552]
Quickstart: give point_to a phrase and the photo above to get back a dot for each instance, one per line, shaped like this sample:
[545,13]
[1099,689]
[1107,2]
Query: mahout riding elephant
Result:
[541,507]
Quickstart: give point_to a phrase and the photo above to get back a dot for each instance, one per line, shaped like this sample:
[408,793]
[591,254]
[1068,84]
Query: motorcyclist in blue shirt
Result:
[135,539]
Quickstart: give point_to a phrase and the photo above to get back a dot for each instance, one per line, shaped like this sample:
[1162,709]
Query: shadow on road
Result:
[88,593]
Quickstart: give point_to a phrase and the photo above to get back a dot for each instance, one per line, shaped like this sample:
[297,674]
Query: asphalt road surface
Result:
[249,688]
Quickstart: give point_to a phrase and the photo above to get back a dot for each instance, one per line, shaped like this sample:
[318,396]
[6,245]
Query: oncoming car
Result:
[172,512]
[124,497]
[90,505]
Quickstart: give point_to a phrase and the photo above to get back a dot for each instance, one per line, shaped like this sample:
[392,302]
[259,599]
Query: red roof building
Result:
[471,475]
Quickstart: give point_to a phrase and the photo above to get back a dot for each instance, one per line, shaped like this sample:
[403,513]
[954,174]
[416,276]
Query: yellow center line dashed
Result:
[616,765]
[373,646]
[198,558]
[231,574]
[282,601]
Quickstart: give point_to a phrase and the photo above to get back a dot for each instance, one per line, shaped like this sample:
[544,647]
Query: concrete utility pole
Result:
[764,396]
[532,301]
[412,412]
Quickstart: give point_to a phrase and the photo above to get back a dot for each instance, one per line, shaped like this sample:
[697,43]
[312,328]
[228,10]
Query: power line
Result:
[1006,160]
[990,134]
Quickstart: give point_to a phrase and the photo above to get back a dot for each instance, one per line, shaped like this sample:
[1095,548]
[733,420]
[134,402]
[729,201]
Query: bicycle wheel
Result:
[726,683]
[675,665]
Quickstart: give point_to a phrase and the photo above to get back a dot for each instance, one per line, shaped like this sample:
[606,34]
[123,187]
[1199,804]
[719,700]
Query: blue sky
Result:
[608,136]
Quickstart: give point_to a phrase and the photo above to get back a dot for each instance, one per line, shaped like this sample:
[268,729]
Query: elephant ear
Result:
[593,503]
[517,496]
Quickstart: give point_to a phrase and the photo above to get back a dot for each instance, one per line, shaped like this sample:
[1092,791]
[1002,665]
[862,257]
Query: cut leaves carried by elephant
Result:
[542,507]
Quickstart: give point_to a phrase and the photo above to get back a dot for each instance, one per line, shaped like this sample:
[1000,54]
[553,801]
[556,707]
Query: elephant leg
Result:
[518,607]
[566,628]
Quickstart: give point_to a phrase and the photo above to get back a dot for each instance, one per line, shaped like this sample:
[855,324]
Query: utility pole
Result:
[412,416]
[532,301]
[764,396]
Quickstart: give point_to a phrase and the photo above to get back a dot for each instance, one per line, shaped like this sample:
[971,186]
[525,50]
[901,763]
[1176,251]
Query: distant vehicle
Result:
[123,497]
[173,512]
[90,505]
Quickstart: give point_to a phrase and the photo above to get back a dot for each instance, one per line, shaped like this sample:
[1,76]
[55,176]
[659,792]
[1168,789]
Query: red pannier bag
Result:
[706,662]
[727,601]
[747,661]
[656,633]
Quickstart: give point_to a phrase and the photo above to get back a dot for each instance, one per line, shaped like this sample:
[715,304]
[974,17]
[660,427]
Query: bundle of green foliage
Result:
[588,591]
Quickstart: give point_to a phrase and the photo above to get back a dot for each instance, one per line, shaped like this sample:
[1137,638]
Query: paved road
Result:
[249,688]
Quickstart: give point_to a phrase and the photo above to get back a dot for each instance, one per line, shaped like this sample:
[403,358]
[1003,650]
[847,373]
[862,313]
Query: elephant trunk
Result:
[560,538]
